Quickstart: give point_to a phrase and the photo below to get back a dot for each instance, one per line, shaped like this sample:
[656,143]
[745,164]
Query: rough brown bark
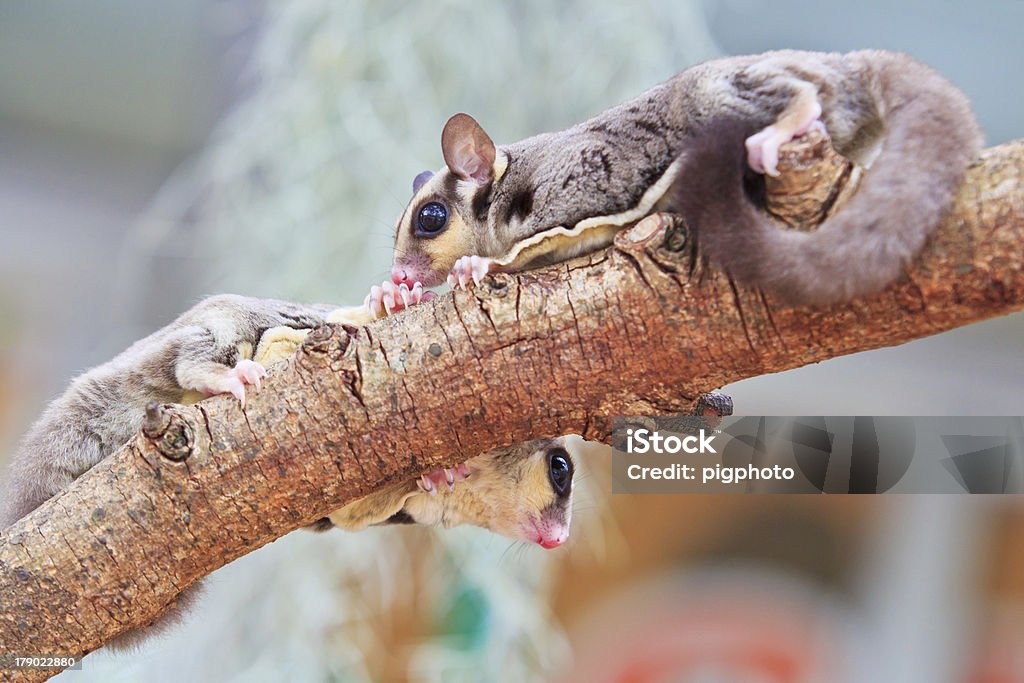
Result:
[640,329]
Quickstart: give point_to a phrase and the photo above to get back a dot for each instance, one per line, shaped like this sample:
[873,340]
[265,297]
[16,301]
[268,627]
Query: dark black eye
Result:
[432,218]
[560,470]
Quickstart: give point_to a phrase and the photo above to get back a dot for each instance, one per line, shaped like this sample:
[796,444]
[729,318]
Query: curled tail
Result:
[930,139]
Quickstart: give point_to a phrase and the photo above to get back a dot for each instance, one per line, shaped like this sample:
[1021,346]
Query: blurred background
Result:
[152,152]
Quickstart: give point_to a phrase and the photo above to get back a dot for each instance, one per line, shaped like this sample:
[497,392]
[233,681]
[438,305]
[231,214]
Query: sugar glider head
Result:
[531,491]
[523,492]
[448,215]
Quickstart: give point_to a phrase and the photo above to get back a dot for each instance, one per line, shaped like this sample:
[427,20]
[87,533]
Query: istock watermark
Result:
[647,441]
[838,454]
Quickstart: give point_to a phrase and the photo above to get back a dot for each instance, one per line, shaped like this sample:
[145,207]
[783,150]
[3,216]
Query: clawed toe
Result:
[470,268]
[250,372]
[388,298]
[431,481]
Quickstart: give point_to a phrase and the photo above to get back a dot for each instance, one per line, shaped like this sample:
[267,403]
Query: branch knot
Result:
[171,435]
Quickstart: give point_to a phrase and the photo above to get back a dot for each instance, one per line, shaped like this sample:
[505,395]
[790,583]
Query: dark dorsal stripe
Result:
[322,524]
[521,205]
[400,517]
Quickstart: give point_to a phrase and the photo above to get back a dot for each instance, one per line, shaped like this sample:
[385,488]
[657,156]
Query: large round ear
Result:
[468,150]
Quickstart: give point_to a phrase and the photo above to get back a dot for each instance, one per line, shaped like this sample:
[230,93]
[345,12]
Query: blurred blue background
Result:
[153,152]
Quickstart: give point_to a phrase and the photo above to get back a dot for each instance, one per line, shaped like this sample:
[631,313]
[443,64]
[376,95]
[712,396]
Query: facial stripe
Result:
[481,203]
[450,186]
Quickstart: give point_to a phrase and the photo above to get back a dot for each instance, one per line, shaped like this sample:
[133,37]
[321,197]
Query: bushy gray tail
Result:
[930,139]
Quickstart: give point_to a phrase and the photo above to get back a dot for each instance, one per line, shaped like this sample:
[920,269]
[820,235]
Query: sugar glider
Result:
[523,492]
[691,145]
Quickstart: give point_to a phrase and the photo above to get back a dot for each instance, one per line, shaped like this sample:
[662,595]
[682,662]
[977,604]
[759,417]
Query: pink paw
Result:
[763,147]
[763,151]
[250,372]
[431,481]
[390,298]
[470,268]
[234,381]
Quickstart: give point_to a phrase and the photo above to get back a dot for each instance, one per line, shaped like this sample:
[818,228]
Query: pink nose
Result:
[549,543]
[399,275]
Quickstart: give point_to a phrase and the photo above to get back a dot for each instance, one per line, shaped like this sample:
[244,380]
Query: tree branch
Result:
[639,329]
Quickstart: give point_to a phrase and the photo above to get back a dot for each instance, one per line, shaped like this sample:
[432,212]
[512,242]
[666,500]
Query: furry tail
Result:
[133,639]
[931,137]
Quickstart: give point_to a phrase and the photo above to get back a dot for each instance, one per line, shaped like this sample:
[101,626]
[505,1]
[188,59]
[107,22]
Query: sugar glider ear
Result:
[421,180]
[468,150]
